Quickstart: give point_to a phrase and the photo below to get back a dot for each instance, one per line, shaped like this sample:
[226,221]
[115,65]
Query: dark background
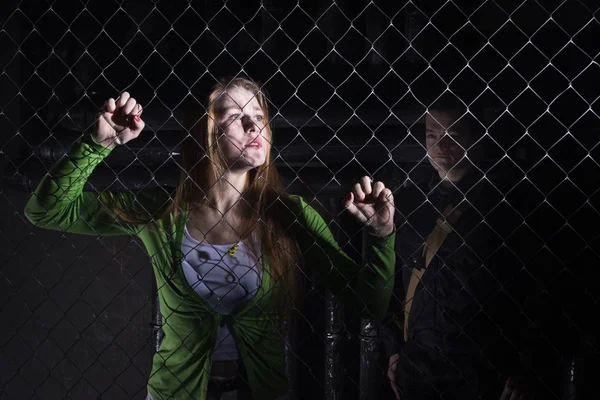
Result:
[348,83]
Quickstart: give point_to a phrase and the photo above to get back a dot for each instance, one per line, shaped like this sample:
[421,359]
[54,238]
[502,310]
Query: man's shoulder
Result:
[417,182]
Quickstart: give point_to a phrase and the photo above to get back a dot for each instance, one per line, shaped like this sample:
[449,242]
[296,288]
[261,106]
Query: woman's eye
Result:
[259,117]
[233,117]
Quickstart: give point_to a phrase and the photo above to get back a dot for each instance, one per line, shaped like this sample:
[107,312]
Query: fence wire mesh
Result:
[354,88]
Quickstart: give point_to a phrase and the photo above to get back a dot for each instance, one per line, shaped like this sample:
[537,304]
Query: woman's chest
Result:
[181,267]
[214,227]
[226,276]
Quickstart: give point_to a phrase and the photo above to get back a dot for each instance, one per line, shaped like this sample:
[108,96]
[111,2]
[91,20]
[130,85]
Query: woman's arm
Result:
[59,202]
[367,288]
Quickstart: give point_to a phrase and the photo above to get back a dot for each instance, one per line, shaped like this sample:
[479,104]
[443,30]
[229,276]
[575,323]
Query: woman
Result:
[227,250]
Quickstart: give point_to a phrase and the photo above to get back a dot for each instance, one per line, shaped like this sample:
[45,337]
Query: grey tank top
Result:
[227,277]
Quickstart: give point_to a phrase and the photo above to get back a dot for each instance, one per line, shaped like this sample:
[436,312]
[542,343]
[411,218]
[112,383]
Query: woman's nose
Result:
[248,124]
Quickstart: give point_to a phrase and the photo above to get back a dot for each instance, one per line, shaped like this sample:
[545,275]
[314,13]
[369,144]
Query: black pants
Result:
[235,388]
[448,390]
[225,389]
[431,375]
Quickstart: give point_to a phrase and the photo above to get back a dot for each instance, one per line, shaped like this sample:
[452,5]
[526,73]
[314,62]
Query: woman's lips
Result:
[256,144]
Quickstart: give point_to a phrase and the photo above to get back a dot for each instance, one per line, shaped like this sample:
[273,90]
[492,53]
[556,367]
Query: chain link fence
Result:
[348,84]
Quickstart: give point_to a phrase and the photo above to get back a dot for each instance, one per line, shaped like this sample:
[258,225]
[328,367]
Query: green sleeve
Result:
[59,202]
[368,288]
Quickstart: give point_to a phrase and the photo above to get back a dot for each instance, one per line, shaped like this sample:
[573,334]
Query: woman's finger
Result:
[386,196]
[110,106]
[359,194]
[349,200]
[350,206]
[365,183]
[137,123]
[129,106]
[353,208]
[107,117]
[378,187]
[123,97]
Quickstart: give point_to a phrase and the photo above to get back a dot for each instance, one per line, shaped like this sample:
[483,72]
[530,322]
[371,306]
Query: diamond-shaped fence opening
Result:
[220,253]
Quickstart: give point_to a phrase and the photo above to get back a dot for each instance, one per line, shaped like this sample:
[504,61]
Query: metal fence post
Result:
[371,376]
[334,332]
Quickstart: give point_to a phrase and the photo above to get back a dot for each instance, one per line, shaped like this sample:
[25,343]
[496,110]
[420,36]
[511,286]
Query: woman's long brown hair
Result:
[202,167]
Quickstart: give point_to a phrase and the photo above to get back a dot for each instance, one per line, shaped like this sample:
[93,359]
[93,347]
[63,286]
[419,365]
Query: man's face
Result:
[446,140]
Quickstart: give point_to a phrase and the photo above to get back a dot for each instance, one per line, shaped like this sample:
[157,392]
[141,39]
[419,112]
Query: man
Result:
[457,324]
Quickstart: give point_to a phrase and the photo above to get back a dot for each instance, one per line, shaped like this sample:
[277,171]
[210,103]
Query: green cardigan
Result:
[181,367]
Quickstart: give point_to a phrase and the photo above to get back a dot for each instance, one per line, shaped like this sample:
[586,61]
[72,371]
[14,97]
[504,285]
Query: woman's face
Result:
[244,139]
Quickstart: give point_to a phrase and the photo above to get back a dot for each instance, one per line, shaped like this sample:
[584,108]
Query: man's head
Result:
[448,135]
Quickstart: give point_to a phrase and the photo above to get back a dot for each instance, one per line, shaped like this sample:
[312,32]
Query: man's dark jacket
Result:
[475,309]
